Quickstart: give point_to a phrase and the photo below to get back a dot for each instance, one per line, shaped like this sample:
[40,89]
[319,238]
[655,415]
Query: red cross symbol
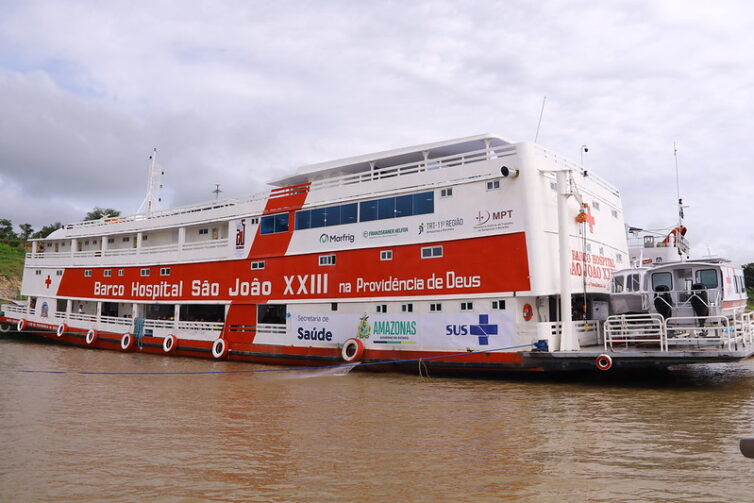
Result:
[589,218]
[48,281]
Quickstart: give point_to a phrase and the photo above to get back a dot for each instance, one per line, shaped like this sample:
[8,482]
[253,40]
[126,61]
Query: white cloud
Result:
[239,92]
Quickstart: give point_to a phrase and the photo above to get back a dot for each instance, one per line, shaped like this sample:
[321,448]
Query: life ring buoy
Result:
[126,342]
[219,348]
[62,328]
[91,336]
[169,343]
[352,350]
[604,362]
[21,325]
[4,328]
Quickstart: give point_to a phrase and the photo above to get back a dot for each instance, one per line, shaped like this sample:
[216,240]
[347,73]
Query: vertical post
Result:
[181,239]
[139,242]
[176,315]
[99,312]
[567,342]
[68,309]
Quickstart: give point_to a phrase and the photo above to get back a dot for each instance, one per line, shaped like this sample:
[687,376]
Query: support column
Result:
[181,239]
[176,315]
[68,304]
[74,246]
[567,340]
[99,312]
[139,242]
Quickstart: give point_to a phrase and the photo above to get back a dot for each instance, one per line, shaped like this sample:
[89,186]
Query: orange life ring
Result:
[219,348]
[527,312]
[169,343]
[126,342]
[352,350]
[604,362]
[91,336]
[62,328]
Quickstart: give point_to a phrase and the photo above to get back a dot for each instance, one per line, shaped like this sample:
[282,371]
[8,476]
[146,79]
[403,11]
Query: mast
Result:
[152,200]
[678,187]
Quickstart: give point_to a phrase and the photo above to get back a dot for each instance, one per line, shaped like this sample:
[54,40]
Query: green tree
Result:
[46,230]
[26,231]
[98,213]
[6,229]
[749,275]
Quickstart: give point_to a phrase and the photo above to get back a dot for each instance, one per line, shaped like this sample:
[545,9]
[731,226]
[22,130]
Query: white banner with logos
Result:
[435,331]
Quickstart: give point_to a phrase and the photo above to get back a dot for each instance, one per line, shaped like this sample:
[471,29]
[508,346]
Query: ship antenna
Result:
[541,112]
[152,201]
[678,186]
[217,191]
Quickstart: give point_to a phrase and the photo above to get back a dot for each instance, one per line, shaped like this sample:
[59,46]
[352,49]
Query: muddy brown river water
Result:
[310,436]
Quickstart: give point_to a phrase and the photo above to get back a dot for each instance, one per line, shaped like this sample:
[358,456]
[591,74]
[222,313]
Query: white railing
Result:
[13,308]
[200,325]
[698,331]
[150,250]
[114,320]
[701,330]
[204,245]
[83,317]
[376,174]
[269,328]
[629,329]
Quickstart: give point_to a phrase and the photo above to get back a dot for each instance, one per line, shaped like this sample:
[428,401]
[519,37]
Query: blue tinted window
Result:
[281,222]
[386,208]
[333,215]
[318,217]
[403,205]
[348,213]
[268,224]
[368,211]
[303,219]
[424,203]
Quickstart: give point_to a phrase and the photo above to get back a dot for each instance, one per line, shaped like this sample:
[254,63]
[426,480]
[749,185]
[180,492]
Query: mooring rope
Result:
[253,371]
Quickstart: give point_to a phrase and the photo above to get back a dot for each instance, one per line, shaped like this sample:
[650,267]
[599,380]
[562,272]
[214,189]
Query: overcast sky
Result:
[240,92]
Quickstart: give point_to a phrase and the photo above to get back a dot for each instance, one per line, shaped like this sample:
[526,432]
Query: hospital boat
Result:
[475,254]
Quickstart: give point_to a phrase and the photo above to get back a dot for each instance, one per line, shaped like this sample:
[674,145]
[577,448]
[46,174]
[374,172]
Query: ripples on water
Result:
[285,436]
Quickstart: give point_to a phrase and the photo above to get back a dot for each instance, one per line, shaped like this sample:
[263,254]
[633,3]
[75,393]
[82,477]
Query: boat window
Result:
[707,277]
[403,206]
[386,208]
[274,223]
[662,279]
[633,283]
[618,284]
[367,211]
[210,313]
[271,313]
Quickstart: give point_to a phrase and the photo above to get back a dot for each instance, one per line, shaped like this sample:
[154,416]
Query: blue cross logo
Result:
[484,329]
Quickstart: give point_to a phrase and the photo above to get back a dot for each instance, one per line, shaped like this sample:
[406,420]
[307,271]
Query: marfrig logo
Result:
[335,238]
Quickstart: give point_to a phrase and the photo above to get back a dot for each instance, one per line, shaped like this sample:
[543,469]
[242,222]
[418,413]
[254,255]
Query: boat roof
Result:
[709,262]
[394,157]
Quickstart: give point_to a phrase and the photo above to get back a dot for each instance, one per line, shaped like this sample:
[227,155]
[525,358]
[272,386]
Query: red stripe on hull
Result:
[389,360]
